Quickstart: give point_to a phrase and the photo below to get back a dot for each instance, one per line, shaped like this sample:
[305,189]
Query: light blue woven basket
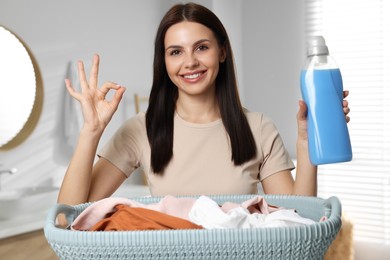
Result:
[303,242]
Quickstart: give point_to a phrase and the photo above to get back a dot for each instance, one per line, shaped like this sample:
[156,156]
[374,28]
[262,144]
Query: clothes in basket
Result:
[299,242]
[121,214]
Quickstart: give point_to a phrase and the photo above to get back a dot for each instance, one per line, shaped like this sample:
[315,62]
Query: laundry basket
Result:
[299,242]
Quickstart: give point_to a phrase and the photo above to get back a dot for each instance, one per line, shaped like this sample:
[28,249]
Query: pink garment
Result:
[254,205]
[177,207]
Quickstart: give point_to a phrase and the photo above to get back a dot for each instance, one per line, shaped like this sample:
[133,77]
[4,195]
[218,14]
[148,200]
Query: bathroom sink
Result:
[25,201]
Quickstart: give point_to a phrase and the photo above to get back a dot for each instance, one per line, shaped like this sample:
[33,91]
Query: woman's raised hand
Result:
[97,111]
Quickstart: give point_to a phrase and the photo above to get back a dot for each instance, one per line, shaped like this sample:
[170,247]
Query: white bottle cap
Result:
[316,46]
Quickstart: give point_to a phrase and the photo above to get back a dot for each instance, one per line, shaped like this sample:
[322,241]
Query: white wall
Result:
[266,37]
[230,13]
[273,43]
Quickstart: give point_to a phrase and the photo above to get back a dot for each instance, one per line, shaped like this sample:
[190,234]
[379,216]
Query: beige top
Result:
[201,162]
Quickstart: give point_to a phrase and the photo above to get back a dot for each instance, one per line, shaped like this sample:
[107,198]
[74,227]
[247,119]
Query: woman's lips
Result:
[193,77]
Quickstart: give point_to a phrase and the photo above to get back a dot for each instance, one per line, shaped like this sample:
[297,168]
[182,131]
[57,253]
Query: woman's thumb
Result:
[302,112]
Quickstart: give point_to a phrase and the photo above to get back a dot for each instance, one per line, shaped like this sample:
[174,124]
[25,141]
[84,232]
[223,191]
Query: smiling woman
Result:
[21,91]
[193,64]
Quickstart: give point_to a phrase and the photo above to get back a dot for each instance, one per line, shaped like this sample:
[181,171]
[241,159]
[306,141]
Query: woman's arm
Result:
[306,173]
[81,175]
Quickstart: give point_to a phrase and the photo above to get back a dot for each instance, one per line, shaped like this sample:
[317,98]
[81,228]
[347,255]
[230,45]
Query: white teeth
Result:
[193,76]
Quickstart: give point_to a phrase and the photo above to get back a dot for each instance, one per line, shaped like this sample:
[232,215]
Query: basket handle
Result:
[332,207]
[68,211]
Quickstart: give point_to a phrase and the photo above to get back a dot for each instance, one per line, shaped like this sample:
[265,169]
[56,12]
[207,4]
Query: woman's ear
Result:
[222,54]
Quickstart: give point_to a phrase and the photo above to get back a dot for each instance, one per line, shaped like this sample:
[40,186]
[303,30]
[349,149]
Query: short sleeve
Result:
[275,156]
[124,148]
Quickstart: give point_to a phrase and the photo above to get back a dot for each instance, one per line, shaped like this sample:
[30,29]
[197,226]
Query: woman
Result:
[195,138]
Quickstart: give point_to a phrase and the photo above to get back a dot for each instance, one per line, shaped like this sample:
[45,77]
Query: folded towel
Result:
[69,120]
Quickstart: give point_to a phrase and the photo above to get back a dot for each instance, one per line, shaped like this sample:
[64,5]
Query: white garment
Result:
[207,213]
[69,120]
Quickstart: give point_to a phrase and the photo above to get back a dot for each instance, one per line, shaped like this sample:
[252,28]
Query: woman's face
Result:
[192,57]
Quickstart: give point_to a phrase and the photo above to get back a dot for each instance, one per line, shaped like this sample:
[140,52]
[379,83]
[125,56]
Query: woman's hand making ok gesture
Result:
[97,111]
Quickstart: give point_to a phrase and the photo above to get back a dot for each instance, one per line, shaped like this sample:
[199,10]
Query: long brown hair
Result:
[163,95]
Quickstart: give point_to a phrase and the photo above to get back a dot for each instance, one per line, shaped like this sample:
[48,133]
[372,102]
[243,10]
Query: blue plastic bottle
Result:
[322,91]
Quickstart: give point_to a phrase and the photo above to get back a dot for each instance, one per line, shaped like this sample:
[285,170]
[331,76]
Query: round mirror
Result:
[21,93]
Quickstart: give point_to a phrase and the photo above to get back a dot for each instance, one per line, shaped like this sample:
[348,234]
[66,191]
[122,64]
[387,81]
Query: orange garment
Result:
[127,218]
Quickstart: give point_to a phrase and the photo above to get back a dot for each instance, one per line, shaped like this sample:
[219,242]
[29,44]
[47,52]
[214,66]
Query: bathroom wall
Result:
[266,37]
[273,48]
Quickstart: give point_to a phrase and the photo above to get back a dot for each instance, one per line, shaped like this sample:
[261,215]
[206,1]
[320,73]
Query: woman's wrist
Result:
[91,132]
[303,158]
[302,146]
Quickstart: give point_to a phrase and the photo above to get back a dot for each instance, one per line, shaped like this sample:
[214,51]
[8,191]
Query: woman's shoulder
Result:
[135,123]
[254,116]
[136,119]
[257,119]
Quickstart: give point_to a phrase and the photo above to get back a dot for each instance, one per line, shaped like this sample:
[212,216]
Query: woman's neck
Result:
[198,110]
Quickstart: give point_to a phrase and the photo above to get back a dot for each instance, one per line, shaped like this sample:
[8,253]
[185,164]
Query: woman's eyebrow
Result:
[201,41]
[179,46]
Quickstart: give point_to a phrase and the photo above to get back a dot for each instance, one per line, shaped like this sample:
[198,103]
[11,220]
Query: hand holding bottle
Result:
[302,116]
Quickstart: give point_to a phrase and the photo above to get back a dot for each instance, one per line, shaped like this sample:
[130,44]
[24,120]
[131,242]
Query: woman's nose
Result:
[191,61]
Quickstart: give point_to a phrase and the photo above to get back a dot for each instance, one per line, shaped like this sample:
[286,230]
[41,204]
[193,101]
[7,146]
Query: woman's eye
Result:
[174,53]
[203,47]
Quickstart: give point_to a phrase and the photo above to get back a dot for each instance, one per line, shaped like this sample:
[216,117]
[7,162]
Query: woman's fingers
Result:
[97,110]
[102,92]
[71,90]
[93,77]
[301,120]
[107,86]
[118,93]
[118,96]
[83,78]
[346,108]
